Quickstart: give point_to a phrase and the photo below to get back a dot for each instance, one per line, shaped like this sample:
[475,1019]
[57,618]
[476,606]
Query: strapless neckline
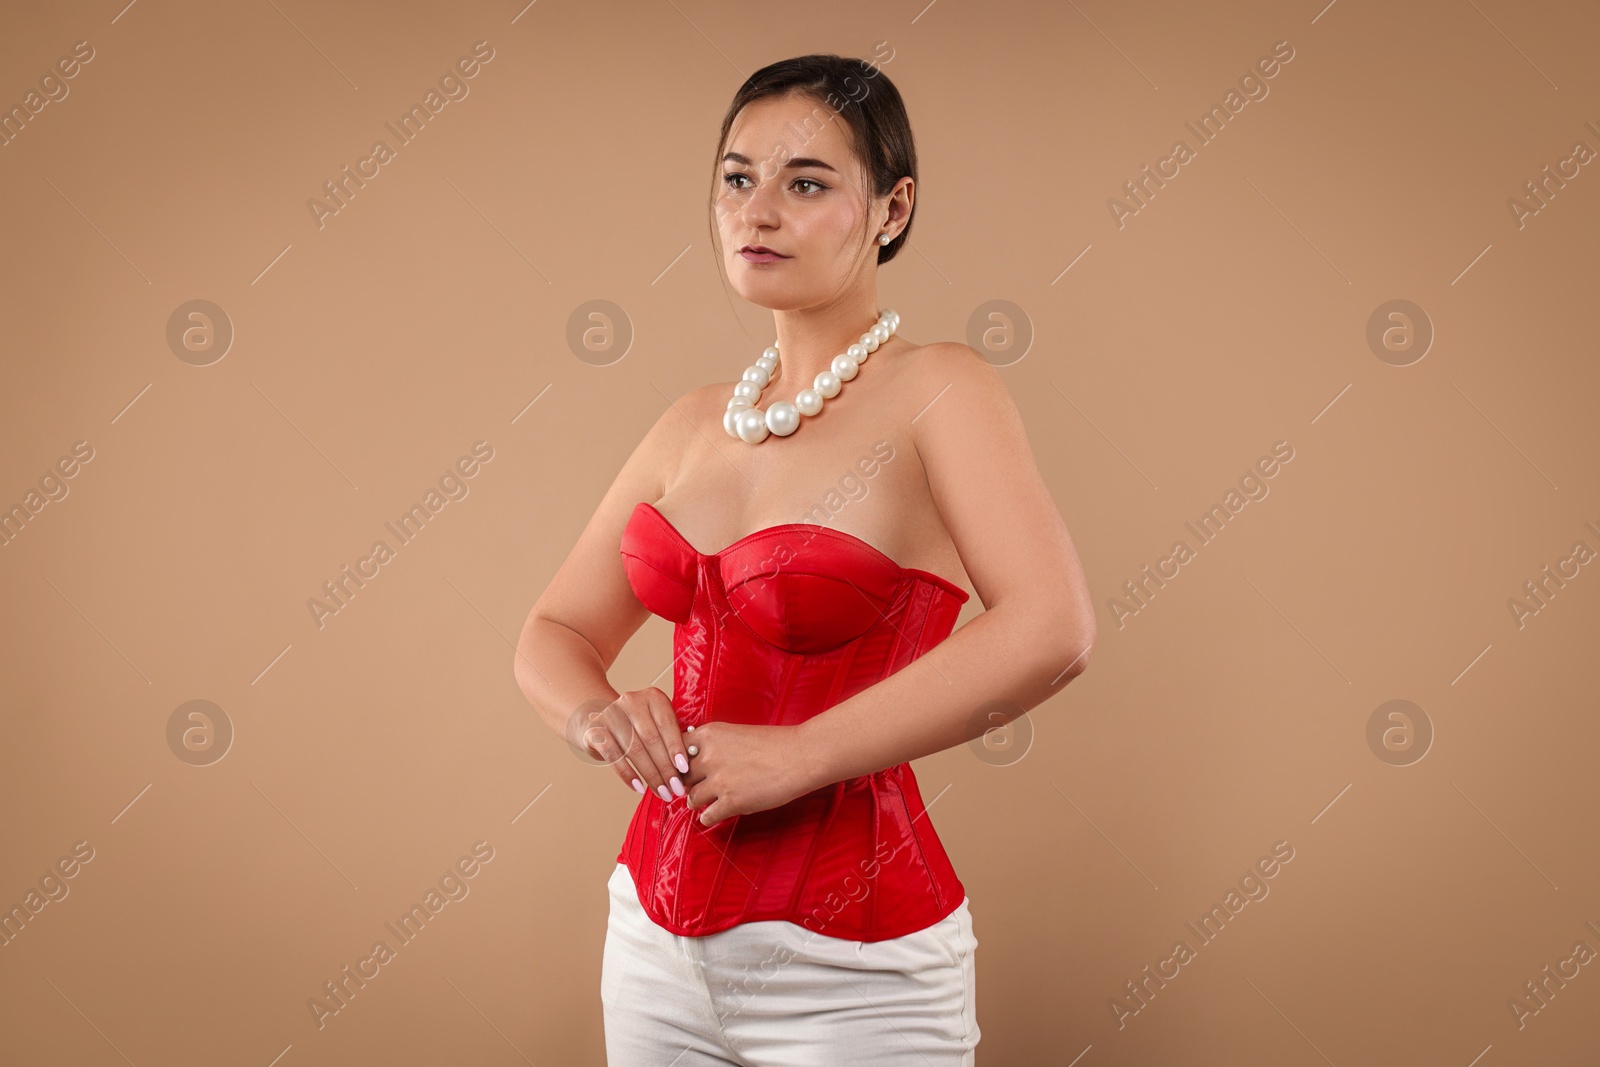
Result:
[848,538]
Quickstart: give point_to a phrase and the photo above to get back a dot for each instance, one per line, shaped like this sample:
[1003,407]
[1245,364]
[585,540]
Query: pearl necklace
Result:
[750,424]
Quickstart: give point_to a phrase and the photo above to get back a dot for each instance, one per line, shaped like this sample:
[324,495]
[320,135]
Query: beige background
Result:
[370,354]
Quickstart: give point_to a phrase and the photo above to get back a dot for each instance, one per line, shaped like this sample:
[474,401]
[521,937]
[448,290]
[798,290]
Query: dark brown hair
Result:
[856,91]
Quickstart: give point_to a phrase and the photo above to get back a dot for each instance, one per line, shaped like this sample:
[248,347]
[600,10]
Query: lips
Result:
[761,250]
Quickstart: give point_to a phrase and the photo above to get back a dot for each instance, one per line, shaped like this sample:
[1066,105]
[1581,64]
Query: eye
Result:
[732,179]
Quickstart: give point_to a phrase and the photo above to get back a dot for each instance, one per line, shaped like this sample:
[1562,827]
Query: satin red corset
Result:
[777,627]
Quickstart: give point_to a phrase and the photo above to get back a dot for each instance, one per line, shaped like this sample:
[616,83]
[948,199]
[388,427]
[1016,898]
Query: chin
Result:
[767,293]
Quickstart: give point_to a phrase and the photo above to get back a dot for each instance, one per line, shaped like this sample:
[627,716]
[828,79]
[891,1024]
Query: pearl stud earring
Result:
[884,238]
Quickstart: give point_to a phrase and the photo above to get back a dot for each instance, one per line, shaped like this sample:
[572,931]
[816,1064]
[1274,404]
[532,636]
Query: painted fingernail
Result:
[681,762]
[677,786]
[639,786]
[661,791]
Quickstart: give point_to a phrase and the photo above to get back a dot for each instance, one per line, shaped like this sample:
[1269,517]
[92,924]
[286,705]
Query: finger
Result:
[713,813]
[702,795]
[616,741]
[617,727]
[672,735]
[666,745]
[642,768]
[647,751]
[630,774]
[699,758]
[610,752]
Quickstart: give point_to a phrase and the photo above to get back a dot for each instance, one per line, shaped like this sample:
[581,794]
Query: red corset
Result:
[777,627]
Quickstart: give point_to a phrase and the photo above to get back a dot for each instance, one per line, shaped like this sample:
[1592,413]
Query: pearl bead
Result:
[769,364]
[770,352]
[869,342]
[844,367]
[751,425]
[892,317]
[783,418]
[748,389]
[881,332]
[757,374]
[809,401]
[730,421]
[857,352]
[740,402]
[827,383]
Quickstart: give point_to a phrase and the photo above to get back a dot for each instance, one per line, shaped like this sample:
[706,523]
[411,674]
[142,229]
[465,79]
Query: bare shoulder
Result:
[953,353]
[699,411]
[954,376]
[952,363]
[687,414]
[709,399]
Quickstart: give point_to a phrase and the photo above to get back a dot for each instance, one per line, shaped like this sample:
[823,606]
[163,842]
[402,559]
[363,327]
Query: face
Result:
[789,181]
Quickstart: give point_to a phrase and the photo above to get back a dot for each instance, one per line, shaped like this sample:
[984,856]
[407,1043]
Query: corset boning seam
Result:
[877,835]
[916,838]
[714,592]
[905,805]
[836,793]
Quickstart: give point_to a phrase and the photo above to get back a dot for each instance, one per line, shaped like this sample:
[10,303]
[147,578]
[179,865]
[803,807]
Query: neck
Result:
[808,340]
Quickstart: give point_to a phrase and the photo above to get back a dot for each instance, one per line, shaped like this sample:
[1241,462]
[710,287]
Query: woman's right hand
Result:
[637,735]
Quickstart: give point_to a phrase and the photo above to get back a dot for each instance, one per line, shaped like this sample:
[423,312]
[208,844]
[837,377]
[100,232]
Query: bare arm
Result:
[582,620]
[1038,626]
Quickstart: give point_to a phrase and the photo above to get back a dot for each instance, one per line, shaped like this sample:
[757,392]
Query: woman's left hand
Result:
[742,769]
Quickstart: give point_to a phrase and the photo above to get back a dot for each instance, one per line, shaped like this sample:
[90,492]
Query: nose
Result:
[760,208]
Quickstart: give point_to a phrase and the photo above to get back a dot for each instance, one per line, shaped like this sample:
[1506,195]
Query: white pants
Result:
[774,994]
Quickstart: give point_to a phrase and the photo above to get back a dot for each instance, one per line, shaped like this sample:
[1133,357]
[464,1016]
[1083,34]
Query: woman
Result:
[780,898]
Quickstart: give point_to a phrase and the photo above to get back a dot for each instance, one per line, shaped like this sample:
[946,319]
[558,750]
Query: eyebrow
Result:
[793,164]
